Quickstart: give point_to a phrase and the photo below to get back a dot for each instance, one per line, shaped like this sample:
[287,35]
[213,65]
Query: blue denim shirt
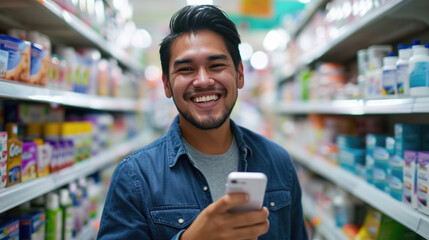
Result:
[157,192]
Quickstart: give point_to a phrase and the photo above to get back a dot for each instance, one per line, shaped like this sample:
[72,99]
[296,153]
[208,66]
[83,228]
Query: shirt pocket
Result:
[278,203]
[169,220]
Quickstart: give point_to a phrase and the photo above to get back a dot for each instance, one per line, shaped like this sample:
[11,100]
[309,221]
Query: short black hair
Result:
[193,18]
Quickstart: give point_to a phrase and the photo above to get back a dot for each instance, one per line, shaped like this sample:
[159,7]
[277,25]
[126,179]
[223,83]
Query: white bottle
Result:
[67,211]
[419,70]
[54,217]
[402,65]
[389,74]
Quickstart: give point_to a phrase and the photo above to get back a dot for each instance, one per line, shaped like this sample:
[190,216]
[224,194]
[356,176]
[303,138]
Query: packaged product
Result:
[18,67]
[29,161]
[14,155]
[39,64]
[9,229]
[32,225]
[4,56]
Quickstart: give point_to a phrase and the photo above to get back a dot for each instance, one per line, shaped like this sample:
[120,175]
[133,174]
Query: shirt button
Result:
[205,188]
[272,204]
[181,220]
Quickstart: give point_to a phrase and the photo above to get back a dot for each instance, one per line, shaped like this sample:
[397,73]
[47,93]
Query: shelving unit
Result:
[23,192]
[388,23]
[368,193]
[21,91]
[61,27]
[392,22]
[356,106]
[326,226]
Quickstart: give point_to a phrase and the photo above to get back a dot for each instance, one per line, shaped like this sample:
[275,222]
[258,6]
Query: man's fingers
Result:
[228,201]
[249,218]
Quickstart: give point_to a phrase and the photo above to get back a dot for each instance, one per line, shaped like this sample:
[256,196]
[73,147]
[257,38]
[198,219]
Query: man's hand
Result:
[215,222]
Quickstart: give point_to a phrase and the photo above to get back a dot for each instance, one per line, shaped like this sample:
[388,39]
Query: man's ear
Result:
[167,89]
[240,76]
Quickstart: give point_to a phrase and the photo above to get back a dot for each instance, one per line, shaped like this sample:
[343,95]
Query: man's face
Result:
[203,79]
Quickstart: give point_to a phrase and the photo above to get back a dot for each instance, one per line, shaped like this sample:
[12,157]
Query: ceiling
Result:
[154,16]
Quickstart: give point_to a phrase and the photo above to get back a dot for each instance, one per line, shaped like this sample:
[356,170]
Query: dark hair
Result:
[193,18]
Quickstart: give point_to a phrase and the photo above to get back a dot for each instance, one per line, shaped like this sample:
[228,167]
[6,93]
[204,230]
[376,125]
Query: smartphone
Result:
[252,183]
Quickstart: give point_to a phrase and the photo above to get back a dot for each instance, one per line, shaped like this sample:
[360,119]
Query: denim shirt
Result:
[157,192]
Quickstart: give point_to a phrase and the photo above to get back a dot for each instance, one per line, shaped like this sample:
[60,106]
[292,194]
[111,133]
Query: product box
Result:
[371,142]
[395,177]
[9,229]
[380,170]
[346,141]
[352,159]
[423,182]
[44,158]
[3,146]
[32,225]
[407,137]
[409,195]
[39,64]
[4,58]
[18,67]
[29,161]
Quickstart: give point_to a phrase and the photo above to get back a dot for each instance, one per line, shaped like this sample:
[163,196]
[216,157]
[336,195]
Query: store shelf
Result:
[326,227]
[356,107]
[61,26]
[391,22]
[306,16]
[402,213]
[23,192]
[21,91]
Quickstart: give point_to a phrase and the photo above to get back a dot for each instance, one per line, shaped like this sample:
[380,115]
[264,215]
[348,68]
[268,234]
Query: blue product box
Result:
[391,145]
[32,225]
[347,141]
[395,177]
[352,159]
[409,195]
[9,229]
[407,137]
[380,170]
[372,141]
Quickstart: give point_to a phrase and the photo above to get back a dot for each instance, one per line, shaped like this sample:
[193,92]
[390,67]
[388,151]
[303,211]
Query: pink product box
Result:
[29,161]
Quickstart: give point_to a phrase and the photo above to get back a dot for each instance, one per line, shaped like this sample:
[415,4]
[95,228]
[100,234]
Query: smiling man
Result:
[174,188]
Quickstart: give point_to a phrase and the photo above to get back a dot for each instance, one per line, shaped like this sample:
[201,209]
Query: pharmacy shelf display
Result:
[20,193]
[391,21]
[61,27]
[326,226]
[368,193]
[26,92]
[356,106]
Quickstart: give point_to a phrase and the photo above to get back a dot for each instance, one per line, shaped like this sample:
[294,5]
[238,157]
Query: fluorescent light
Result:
[246,51]
[259,60]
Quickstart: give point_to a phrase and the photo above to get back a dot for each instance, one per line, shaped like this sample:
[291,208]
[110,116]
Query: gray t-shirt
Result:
[215,168]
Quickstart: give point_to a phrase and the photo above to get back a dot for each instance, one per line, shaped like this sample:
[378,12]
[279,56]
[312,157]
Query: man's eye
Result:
[185,69]
[216,65]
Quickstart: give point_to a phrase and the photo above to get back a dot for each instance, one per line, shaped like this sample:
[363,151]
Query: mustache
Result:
[203,90]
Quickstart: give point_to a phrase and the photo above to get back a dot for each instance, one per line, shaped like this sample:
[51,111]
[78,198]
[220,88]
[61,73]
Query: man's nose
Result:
[203,79]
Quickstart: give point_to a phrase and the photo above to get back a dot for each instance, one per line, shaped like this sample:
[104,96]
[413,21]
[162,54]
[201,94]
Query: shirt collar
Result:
[176,148]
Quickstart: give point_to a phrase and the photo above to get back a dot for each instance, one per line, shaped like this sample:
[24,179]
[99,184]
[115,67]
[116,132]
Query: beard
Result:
[210,121]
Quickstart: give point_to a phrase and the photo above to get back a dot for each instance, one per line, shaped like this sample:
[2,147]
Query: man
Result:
[174,188]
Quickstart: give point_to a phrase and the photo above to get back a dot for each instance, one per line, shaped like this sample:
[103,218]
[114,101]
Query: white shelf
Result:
[389,23]
[356,107]
[23,192]
[61,26]
[307,15]
[402,213]
[326,227]
[21,91]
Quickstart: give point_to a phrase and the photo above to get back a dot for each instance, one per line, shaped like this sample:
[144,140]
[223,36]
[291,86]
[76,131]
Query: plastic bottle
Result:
[402,80]
[419,70]
[67,214]
[14,154]
[389,74]
[84,201]
[54,217]
[75,194]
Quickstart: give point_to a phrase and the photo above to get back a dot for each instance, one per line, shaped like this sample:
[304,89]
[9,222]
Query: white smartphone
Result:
[252,183]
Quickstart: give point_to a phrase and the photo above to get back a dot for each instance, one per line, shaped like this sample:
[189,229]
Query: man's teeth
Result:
[206,98]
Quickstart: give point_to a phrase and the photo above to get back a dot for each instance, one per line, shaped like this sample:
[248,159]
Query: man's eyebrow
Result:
[218,56]
[181,61]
